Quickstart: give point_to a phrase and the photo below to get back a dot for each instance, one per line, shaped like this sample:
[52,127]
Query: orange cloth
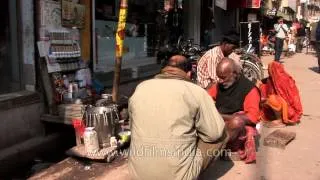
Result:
[245,145]
[280,105]
[250,105]
[282,94]
[264,40]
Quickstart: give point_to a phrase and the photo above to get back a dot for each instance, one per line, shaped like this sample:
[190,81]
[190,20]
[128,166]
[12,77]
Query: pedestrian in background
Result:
[281,29]
[317,44]
[301,34]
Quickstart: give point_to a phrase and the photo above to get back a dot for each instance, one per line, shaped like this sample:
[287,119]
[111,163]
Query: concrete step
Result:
[21,154]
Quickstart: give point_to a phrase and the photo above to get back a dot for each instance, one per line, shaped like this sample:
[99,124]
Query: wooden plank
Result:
[279,138]
[86,32]
[55,119]
[71,111]
[46,81]
[107,154]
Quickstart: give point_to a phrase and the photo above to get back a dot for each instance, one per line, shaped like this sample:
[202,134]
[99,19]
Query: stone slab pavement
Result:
[300,159]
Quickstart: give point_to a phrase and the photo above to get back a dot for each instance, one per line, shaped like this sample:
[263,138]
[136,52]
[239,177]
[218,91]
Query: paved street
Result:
[300,159]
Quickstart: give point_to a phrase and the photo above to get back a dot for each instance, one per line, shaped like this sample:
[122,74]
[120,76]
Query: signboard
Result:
[251,3]
[73,14]
[250,35]
[271,12]
[222,4]
[252,17]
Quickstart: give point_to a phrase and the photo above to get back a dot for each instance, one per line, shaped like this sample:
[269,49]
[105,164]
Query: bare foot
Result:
[274,124]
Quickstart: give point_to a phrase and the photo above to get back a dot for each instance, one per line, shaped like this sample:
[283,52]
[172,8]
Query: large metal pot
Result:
[105,121]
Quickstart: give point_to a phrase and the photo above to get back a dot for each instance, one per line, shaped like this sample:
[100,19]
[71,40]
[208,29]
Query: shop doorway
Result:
[10,79]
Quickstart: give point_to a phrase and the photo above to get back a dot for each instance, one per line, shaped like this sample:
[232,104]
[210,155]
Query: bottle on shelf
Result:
[75,34]
[65,81]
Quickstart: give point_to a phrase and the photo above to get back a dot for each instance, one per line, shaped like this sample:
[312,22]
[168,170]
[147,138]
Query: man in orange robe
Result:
[238,102]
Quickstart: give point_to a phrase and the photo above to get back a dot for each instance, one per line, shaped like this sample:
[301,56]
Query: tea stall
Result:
[72,96]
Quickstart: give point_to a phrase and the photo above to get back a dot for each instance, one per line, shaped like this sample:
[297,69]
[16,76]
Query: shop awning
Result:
[272,13]
[251,3]
[255,4]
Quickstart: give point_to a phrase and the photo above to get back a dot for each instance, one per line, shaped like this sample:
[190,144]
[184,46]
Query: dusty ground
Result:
[300,159]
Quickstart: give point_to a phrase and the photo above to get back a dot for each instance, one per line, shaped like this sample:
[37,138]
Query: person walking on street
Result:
[317,44]
[301,34]
[176,129]
[282,29]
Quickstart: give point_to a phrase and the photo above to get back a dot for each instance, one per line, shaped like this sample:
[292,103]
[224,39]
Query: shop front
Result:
[72,36]
[74,74]
[69,60]
[148,28]
[140,15]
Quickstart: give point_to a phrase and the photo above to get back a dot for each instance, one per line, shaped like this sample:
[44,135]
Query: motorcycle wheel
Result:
[256,61]
[251,70]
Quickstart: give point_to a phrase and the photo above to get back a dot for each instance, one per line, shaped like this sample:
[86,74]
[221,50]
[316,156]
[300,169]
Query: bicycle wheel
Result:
[251,70]
[254,60]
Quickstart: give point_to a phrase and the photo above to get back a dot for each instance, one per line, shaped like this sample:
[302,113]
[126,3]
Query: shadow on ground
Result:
[216,170]
[314,69]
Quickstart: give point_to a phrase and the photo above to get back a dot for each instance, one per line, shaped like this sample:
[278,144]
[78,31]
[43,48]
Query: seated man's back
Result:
[168,116]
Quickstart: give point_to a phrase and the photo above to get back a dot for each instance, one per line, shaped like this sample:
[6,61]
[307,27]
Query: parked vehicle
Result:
[184,47]
[252,66]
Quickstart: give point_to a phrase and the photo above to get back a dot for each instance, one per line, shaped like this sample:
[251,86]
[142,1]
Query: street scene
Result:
[299,160]
[161,89]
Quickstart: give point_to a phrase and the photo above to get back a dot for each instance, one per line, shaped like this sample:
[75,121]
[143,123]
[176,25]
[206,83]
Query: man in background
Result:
[301,33]
[281,29]
[317,44]
[206,69]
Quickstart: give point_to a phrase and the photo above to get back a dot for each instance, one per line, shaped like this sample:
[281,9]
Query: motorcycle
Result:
[251,65]
[186,48]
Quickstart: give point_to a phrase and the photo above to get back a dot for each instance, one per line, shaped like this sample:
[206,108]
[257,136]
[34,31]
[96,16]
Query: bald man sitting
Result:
[237,100]
[175,129]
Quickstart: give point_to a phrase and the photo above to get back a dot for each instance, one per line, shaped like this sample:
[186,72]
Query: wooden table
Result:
[105,154]
[55,119]
[78,169]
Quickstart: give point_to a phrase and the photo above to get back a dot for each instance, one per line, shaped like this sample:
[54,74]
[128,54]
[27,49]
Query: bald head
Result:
[176,59]
[227,72]
[226,66]
[180,62]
